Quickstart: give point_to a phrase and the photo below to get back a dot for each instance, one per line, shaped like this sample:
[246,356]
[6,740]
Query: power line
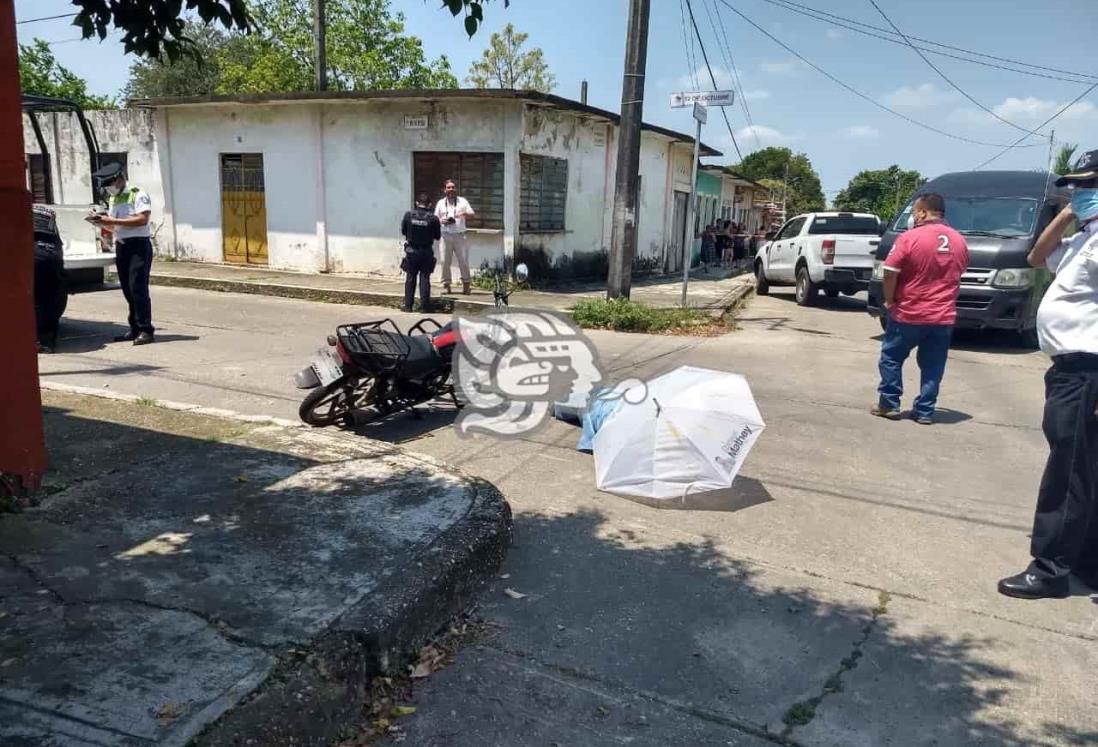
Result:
[862,95]
[693,71]
[727,51]
[47,18]
[1075,101]
[945,77]
[842,21]
[713,78]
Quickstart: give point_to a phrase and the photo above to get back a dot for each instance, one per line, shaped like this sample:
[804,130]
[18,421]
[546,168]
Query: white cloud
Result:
[724,79]
[756,95]
[861,132]
[835,34]
[784,67]
[922,96]
[1028,111]
[766,136]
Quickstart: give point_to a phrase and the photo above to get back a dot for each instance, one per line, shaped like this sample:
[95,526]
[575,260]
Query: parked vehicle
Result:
[372,370]
[50,294]
[1000,214]
[832,252]
[87,249]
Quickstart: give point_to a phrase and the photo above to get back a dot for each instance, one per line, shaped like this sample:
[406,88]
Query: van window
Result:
[1004,216]
[845,224]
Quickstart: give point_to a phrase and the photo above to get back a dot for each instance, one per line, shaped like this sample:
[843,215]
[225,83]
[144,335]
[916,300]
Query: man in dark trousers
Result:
[421,229]
[1065,529]
[921,284]
[128,219]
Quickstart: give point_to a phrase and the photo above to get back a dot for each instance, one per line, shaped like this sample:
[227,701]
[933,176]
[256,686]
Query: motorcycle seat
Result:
[422,357]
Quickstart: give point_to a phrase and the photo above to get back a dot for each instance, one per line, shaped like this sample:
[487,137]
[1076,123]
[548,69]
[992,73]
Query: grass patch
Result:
[624,315]
[146,402]
[486,280]
[800,714]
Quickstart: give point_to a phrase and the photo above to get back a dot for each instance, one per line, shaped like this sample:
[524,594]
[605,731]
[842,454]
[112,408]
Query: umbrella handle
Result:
[686,491]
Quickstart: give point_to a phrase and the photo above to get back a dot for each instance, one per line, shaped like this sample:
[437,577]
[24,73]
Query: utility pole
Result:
[688,245]
[623,234]
[320,45]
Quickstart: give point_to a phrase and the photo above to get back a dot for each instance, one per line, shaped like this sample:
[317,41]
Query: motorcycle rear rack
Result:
[379,345]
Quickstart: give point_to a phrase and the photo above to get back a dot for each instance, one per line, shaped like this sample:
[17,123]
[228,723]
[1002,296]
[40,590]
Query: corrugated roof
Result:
[729,172]
[424,94]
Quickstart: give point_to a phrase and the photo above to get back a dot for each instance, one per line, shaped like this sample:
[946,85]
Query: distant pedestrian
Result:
[739,246]
[921,282]
[421,229]
[1064,541]
[128,219]
[452,210]
[724,243]
[708,246]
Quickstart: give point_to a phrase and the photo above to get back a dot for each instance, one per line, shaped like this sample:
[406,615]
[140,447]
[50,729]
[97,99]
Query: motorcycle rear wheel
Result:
[327,405]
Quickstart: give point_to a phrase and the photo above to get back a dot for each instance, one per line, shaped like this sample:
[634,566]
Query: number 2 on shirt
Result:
[943,248]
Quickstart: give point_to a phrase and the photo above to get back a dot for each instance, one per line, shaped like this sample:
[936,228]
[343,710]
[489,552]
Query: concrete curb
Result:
[308,293]
[317,690]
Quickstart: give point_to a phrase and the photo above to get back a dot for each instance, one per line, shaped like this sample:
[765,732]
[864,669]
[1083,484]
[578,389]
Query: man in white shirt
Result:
[128,220]
[452,211]
[1065,529]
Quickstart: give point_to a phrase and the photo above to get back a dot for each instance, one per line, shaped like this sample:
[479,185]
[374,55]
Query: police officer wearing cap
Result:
[421,229]
[1064,542]
[128,219]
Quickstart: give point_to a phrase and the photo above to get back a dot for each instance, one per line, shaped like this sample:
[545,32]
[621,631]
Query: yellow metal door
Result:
[243,208]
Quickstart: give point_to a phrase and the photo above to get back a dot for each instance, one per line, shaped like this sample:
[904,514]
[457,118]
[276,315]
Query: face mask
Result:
[113,190]
[1084,203]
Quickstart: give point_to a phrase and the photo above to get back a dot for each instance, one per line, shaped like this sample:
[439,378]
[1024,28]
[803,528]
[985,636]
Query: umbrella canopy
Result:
[690,433]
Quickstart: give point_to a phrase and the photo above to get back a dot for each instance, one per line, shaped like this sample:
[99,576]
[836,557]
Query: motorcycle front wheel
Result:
[327,405]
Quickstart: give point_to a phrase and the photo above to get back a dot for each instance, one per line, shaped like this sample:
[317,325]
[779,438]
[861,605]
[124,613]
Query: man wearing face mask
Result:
[128,219]
[921,283]
[1065,529]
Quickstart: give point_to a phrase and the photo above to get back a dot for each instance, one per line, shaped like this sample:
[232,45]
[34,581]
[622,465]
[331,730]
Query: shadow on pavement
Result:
[629,637]
[85,336]
[744,493]
[404,426]
[839,303]
[990,341]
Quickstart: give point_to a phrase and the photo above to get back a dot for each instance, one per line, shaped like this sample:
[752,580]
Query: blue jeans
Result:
[932,341]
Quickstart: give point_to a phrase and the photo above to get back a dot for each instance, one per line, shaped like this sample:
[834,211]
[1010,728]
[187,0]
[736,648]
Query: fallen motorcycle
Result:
[372,370]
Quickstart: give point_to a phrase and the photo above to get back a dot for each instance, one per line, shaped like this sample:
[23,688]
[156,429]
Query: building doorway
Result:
[243,209]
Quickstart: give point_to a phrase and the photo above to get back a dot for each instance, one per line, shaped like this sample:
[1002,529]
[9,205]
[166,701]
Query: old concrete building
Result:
[318,182]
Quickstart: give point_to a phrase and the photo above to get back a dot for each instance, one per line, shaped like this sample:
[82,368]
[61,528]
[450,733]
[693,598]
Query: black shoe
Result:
[144,338]
[128,337]
[1029,586]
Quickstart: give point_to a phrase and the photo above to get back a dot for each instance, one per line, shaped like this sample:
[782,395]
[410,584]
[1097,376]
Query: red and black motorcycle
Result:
[372,370]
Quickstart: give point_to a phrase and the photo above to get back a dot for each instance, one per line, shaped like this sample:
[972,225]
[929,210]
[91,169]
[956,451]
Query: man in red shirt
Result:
[921,281]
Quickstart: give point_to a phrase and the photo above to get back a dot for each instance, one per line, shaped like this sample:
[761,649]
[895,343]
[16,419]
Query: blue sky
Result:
[790,104]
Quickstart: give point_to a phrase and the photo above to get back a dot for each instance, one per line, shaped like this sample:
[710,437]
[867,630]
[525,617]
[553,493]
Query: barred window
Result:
[479,178]
[544,191]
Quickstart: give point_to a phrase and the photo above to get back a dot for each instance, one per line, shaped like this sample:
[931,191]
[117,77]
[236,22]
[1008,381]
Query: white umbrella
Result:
[689,434]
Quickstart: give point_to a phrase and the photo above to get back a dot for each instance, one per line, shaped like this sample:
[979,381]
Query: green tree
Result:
[156,28]
[505,65]
[41,73]
[367,49]
[1064,158]
[805,192]
[881,191]
[191,75]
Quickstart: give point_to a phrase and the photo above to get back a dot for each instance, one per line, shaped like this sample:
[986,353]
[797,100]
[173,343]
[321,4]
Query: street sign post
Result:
[701,113]
[708,98]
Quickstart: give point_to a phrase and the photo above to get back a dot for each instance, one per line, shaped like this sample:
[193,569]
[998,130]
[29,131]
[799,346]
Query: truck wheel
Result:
[807,291]
[762,285]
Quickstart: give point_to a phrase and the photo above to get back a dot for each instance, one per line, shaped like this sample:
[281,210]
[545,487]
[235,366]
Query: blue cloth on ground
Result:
[602,404]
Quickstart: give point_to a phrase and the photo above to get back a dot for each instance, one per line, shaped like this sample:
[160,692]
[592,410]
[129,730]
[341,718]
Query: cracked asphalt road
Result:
[656,627]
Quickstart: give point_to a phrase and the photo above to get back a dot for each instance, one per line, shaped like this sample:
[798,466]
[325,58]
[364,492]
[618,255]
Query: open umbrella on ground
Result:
[688,433]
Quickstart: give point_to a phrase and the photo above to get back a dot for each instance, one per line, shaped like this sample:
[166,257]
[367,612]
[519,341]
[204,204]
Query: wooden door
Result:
[243,208]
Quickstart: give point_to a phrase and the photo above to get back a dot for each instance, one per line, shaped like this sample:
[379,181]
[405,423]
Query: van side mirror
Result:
[522,272]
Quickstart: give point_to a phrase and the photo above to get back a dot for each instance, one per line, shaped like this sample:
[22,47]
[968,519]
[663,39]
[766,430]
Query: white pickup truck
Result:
[88,251]
[832,252]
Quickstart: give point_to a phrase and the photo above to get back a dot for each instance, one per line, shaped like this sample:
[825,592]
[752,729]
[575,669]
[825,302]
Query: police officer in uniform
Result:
[421,229]
[128,219]
[1064,542]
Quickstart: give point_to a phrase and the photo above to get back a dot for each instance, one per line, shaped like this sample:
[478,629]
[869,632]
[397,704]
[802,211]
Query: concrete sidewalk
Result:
[715,290]
[227,581]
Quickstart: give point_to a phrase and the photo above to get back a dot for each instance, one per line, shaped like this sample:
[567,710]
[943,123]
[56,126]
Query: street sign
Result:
[709,98]
[701,113]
